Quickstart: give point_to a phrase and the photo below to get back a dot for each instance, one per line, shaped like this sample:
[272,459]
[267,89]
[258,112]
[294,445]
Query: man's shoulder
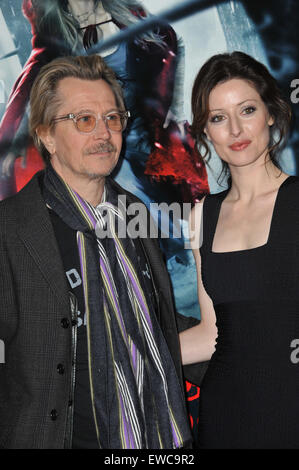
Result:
[9,206]
[24,200]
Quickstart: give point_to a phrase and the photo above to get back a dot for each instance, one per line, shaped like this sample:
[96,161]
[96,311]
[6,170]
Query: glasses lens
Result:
[115,121]
[86,122]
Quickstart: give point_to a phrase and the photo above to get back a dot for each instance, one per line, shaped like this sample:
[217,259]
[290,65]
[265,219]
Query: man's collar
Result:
[104,197]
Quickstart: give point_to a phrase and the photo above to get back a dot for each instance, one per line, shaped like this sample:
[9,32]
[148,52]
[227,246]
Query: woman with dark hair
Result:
[247,261]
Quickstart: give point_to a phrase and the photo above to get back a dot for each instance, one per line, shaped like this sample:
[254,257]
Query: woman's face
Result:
[238,123]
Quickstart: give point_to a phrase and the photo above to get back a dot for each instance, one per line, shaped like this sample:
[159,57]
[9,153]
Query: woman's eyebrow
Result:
[238,104]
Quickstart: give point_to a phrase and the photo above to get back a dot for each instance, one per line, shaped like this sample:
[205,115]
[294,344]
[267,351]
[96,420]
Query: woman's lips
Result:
[237,146]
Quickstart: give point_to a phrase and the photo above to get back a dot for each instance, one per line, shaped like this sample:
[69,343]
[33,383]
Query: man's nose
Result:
[101,130]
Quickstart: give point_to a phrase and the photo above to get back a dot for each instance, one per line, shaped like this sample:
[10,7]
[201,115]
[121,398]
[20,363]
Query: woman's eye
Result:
[249,110]
[217,118]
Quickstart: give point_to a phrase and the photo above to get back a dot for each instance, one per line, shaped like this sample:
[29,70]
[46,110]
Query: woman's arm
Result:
[198,343]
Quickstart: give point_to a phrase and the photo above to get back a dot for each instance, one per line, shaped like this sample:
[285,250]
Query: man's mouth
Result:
[100,149]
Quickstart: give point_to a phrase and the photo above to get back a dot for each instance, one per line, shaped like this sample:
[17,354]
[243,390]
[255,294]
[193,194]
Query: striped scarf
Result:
[136,397]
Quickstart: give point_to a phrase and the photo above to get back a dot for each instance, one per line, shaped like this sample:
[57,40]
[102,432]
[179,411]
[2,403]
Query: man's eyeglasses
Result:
[86,122]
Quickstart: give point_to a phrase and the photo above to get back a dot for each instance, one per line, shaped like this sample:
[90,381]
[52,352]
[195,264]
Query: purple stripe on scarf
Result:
[87,210]
[103,267]
[174,434]
[129,437]
[134,355]
[136,289]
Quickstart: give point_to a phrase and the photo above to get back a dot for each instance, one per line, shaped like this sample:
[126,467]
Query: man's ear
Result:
[46,136]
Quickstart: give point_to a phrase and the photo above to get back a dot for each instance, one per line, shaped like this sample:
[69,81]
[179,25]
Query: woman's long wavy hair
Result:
[223,67]
[51,19]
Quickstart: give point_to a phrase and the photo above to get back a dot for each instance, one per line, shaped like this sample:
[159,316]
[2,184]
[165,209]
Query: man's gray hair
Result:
[45,99]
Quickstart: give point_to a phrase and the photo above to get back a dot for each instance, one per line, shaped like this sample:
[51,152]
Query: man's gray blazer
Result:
[35,322]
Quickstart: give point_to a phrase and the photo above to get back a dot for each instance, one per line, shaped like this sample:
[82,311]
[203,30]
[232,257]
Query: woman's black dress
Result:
[250,393]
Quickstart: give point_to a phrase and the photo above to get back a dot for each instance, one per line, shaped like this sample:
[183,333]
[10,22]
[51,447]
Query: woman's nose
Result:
[235,126]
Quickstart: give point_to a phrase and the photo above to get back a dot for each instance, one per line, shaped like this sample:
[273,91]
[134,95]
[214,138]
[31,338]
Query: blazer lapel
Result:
[37,234]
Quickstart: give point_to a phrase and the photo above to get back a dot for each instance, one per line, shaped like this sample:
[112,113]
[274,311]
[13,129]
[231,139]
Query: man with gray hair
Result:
[91,349]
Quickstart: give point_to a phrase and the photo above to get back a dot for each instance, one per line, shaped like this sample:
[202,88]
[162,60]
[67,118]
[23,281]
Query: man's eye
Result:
[85,118]
[113,117]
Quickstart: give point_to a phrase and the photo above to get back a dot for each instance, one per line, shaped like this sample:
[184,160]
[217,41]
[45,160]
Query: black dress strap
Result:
[211,209]
[286,212]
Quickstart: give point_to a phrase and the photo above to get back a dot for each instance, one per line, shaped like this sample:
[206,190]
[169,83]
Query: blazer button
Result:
[65,323]
[60,369]
[54,415]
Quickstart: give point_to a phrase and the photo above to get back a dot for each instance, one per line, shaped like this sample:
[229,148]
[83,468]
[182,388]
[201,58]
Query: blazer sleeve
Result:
[8,307]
